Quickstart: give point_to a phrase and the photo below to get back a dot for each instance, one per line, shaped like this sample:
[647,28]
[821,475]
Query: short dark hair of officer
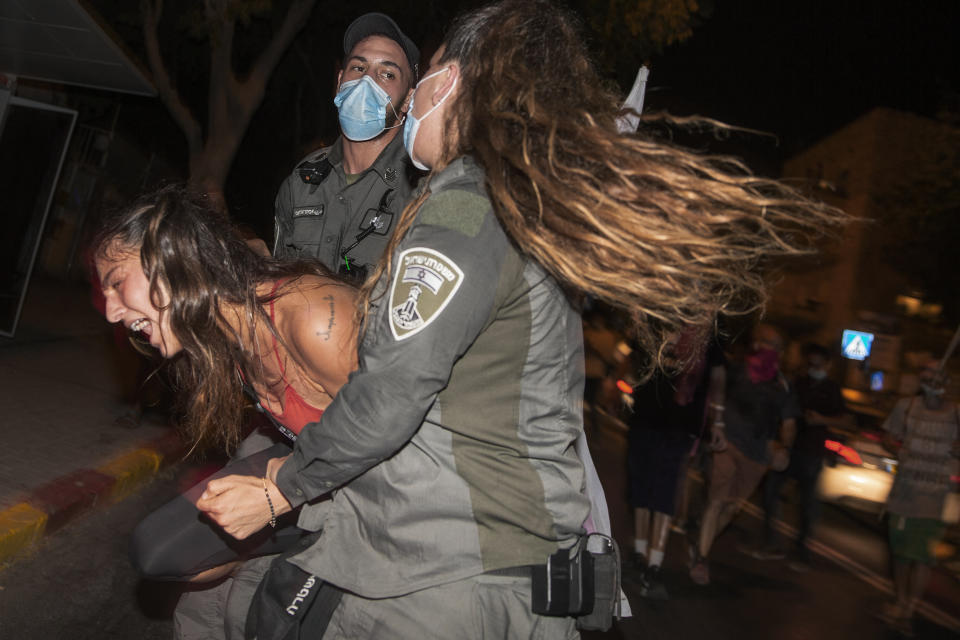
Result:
[379,24]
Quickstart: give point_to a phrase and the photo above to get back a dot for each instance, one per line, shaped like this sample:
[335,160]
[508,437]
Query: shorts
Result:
[734,476]
[654,460]
[915,539]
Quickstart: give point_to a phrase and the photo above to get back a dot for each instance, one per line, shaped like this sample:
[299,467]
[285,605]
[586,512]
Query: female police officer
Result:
[455,434]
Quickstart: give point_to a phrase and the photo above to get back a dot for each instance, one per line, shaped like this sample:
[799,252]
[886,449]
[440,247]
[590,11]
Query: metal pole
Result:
[950,349]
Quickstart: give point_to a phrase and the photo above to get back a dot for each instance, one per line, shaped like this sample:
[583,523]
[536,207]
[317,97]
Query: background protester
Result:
[667,419]
[822,408]
[924,432]
[756,431]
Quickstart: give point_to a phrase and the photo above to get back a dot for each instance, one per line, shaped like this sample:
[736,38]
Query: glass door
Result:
[33,143]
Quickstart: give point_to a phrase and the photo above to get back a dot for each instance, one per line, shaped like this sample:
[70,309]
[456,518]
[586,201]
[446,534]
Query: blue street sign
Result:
[856,344]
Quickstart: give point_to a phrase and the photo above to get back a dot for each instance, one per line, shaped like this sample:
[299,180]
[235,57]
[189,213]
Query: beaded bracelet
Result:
[273,514]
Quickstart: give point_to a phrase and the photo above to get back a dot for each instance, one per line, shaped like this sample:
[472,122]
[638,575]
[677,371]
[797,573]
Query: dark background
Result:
[795,70]
[802,69]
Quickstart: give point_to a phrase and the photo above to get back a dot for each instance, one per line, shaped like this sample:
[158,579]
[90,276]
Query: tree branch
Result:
[221,94]
[293,22]
[152,9]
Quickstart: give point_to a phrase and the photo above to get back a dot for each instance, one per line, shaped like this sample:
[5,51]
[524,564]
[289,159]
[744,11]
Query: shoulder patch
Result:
[424,283]
[455,209]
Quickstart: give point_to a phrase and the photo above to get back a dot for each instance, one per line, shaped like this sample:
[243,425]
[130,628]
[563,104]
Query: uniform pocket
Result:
[307,233]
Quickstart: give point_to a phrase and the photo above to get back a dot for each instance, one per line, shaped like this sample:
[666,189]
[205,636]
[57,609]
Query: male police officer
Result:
[341,202]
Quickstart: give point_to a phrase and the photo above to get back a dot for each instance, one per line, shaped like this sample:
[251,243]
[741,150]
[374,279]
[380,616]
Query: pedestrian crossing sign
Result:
[856,344]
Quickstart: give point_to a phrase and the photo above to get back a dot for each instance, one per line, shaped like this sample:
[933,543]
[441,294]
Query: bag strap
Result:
[290,603]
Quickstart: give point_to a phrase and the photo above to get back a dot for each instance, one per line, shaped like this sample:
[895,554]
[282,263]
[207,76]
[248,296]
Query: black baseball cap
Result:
[372,24]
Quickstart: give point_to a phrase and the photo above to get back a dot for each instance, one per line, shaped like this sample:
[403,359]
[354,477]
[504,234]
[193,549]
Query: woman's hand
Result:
[239,505]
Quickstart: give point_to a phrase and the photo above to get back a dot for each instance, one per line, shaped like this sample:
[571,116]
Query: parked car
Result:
[858,472]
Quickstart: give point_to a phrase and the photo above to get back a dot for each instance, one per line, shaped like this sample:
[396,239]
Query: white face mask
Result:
[413,122]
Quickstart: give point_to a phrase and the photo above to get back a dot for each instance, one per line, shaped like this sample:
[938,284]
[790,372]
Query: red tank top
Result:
[297,413]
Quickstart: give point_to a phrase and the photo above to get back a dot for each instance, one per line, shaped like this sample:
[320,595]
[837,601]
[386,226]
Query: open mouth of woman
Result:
[141,326]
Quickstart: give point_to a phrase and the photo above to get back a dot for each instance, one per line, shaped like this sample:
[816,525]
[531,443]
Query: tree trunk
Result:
[231,102]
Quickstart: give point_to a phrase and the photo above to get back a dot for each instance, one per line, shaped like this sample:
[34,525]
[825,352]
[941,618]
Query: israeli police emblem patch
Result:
[424,283]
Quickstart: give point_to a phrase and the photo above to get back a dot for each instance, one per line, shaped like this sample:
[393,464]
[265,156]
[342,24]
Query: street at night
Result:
[79,584]
[399,261]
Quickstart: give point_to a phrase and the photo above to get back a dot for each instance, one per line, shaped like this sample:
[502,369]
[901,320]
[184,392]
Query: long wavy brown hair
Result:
[195,258]
[670,237]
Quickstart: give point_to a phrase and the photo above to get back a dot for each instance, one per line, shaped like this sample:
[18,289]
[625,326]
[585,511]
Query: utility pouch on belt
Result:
[606,583]
[582,581]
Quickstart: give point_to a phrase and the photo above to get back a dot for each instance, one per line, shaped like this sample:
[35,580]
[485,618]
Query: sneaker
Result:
[651,585]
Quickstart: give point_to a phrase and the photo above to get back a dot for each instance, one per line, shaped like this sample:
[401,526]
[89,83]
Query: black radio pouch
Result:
[582,581]
[606,583]
[564,585]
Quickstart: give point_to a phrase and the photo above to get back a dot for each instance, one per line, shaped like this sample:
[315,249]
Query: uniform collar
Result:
[462,166]
[391,165]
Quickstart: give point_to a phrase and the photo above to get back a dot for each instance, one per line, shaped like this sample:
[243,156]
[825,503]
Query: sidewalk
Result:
[61,453]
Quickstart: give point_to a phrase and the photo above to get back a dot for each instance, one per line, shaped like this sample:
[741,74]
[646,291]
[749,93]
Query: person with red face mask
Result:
[753,431]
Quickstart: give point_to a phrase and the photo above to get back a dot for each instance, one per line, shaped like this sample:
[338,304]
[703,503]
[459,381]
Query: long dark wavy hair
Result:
[193,253]
[669,237]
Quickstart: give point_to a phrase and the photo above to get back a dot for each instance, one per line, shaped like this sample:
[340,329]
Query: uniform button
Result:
[328,239]
[340,198]
[299,492]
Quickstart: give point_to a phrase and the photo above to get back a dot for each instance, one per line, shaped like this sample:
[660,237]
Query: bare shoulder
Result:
[316,308]
[316,318]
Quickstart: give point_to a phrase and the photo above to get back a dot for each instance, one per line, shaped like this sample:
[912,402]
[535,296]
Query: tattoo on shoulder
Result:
[331,323]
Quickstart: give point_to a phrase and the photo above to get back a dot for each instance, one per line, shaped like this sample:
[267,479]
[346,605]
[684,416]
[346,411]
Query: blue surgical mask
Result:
[816,374]
[362,105]
[413,122]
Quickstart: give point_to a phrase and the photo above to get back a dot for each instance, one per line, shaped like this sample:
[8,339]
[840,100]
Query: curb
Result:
[51,506]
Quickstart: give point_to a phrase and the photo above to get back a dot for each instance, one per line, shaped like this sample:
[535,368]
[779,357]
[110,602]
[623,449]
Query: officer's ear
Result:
[447,83]
[339,77]
[405,106]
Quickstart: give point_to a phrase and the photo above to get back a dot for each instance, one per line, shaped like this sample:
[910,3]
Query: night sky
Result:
[797,69]
[803,69]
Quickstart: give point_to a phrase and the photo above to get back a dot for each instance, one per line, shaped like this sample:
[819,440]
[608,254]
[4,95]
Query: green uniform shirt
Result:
[323,220]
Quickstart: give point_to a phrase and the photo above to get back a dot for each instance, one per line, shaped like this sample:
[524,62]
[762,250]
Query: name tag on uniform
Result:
[308,212]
